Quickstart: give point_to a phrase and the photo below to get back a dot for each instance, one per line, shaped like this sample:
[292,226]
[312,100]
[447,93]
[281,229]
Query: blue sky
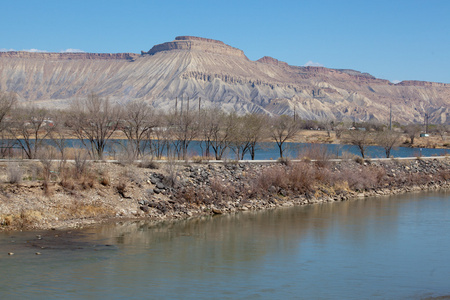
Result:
[394,40]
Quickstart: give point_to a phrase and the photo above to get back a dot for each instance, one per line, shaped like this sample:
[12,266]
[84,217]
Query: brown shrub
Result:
[359,160]
[271,176]
[222,189]
[67,181]
[72,177]
[88,181]
[360,179]
[298,177]
[81,164]
[194,195]
[324,176]
[319,153]
[301,178]
[444,174]
[14,173]
[417,179]
[47,188]
[379,173]
[189,195]
[105,180]
[121,187]
[148,164]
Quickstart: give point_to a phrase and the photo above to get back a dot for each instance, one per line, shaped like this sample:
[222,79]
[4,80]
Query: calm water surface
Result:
[384,248]
[270,150]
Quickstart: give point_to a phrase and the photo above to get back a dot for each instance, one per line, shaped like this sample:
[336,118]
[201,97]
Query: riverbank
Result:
[47,195]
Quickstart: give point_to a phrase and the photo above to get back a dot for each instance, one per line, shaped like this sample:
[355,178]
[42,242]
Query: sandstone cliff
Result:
[192,43]
[222,76]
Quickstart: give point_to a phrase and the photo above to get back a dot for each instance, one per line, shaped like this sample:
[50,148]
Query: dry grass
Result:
[79,176]
[80,209]
[25,219]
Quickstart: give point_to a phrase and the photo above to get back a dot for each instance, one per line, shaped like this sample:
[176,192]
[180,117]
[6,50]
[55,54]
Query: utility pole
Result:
[199,101]
[176,104]
[181,105]
[390,117]
[187,105]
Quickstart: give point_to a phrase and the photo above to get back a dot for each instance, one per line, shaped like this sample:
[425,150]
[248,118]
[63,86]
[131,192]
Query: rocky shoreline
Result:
[179,191]
[197,179]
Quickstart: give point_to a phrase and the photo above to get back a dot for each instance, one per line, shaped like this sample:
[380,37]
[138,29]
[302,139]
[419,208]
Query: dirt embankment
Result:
[72,196]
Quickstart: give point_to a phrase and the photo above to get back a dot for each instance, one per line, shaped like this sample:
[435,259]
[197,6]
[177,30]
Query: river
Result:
[374,248]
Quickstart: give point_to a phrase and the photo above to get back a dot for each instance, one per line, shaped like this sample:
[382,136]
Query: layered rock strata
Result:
[223,77]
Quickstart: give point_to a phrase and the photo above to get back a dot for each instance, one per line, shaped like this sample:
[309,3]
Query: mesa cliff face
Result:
[223,77]
[192,43]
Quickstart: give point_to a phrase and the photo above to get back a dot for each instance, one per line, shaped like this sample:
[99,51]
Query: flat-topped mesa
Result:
[272,61]
[422,83]
[193,43]
[68,55]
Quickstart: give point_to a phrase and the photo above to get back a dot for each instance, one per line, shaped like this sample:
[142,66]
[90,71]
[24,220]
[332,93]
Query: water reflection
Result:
[263,229]
[388,247]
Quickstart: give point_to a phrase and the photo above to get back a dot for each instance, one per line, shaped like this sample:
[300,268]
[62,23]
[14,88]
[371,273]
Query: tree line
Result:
[95,121]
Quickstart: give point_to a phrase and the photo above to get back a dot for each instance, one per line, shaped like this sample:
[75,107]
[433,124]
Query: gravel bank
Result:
[175,191]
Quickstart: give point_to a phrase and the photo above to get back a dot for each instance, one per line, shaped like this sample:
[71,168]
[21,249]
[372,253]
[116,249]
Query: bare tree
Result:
[328,125]
[137,124]
[7,102]
[209,124]
[94,120]
[283,129]
[412,130]
[254,130]
[161,143]
[388,140]
[239,142]
[30,127]
[222,133]
[442,130]
[184,128]
[59,132]
[340,128]
[360,138]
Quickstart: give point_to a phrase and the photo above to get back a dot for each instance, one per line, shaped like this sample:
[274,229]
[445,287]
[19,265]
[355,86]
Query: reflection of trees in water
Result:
[228,246]
[247,236]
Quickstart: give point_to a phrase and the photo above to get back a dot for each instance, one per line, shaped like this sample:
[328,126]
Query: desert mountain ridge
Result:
[222,76]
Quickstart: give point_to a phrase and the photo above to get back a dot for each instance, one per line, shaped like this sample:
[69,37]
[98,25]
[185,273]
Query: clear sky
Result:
[394,40]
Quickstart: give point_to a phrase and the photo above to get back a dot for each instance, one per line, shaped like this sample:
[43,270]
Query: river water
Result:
[373,248]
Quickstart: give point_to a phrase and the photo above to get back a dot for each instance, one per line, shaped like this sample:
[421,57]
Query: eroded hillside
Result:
[192,67]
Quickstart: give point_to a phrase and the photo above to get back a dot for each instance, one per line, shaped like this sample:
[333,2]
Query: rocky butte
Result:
[223,77]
